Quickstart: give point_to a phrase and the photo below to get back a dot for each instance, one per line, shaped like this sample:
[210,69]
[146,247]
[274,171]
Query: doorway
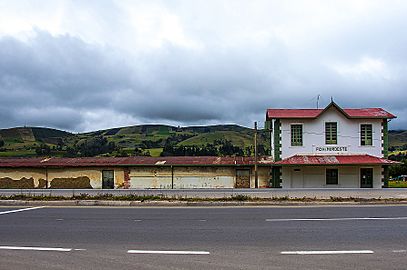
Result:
[366,177]
[243,178]
[297,178]
[108,179]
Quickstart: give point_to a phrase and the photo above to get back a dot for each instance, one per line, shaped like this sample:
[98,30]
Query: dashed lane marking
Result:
[20,210]
[168,252]
[36,248]
[335,219]
[326,252]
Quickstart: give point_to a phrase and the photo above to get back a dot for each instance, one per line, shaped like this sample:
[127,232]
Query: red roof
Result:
[335,160]
[129,161]
[314,113]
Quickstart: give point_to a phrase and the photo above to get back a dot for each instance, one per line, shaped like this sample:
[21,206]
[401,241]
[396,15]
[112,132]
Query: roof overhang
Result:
[362,113]
[334,160]
[181,161]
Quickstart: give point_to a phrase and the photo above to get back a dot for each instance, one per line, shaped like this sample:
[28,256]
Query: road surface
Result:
[319,237]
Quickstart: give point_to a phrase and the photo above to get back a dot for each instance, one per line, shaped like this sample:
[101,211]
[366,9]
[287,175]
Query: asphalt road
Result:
[222,238]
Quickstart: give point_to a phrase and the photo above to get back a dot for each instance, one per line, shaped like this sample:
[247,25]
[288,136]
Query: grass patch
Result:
[397,184]
[27,153]
[155,152]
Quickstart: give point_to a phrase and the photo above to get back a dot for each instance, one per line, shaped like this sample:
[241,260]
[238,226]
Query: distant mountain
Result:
[397,138]
[144,140]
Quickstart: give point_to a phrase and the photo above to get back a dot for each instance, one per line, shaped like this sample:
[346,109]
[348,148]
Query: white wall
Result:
[314,135]
[314,177]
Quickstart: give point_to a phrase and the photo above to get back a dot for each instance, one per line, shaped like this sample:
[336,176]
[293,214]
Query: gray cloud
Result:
[228,72]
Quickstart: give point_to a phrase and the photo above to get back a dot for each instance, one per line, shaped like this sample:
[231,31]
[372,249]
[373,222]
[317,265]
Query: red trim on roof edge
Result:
[130,161]
[335,160]
[378,113]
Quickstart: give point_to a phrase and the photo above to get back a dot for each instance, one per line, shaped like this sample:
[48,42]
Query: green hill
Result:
[397,138]
[147,139]
[141,139]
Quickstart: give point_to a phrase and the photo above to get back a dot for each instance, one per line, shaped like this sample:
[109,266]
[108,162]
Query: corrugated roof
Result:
[128,161]
[335,160]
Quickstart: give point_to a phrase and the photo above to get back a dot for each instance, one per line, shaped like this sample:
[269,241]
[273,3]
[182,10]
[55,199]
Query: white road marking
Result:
[137,220]
[168,252]
[36,248]
[326,252]
[336,219]
[79,249]
[59,219]
[400,251]
[20,210]
[202,220]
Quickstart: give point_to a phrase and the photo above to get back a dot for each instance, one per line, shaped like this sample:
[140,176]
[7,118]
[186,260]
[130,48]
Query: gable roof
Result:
[377,113]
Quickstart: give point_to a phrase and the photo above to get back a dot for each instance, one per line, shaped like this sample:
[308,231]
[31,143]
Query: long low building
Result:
[135,172]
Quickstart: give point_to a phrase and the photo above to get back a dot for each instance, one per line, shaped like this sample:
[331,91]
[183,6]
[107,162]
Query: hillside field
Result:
[144,139]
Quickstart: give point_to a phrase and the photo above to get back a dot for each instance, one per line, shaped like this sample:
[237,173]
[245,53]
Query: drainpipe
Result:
[172,177]
[46,177]
[256,180]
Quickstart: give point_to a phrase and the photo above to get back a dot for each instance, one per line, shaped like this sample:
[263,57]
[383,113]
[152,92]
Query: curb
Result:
[189,204]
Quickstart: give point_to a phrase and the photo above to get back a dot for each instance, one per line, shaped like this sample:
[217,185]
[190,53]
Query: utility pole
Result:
[256,180]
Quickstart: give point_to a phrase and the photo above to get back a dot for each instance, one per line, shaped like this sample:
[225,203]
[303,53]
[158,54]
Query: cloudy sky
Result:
[87,65]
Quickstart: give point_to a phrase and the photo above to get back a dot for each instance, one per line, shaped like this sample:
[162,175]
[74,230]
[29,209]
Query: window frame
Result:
[301,136]
[364,138]
[330,141]
[328,177]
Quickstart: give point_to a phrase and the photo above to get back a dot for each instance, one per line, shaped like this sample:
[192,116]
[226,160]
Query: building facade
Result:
[134,172]
[329,148]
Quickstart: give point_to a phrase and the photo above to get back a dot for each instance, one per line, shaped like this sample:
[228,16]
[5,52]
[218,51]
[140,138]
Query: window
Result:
[366,134]
[331,129]
[331,176]
[296,135]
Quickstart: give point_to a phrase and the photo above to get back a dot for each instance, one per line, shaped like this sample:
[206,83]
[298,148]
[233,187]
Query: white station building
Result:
[329,148]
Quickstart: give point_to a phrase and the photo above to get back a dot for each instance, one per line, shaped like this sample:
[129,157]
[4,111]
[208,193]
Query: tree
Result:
[1,143]
[43,150]
[95,146]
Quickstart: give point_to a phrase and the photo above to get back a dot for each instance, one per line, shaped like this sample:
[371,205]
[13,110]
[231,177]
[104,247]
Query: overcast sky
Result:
[87,65]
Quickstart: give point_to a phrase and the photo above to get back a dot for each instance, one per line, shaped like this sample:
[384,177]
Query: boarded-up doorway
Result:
[242,178]
[108,179]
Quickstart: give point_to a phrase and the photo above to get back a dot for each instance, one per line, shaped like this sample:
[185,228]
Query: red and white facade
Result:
[329,148]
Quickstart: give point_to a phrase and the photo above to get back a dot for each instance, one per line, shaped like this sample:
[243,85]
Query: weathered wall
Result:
[22,178]
[191,177]
[182,177]
[150,177]
[204,177]
[263,174]
[82,177]
[137,177]
[314,177]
